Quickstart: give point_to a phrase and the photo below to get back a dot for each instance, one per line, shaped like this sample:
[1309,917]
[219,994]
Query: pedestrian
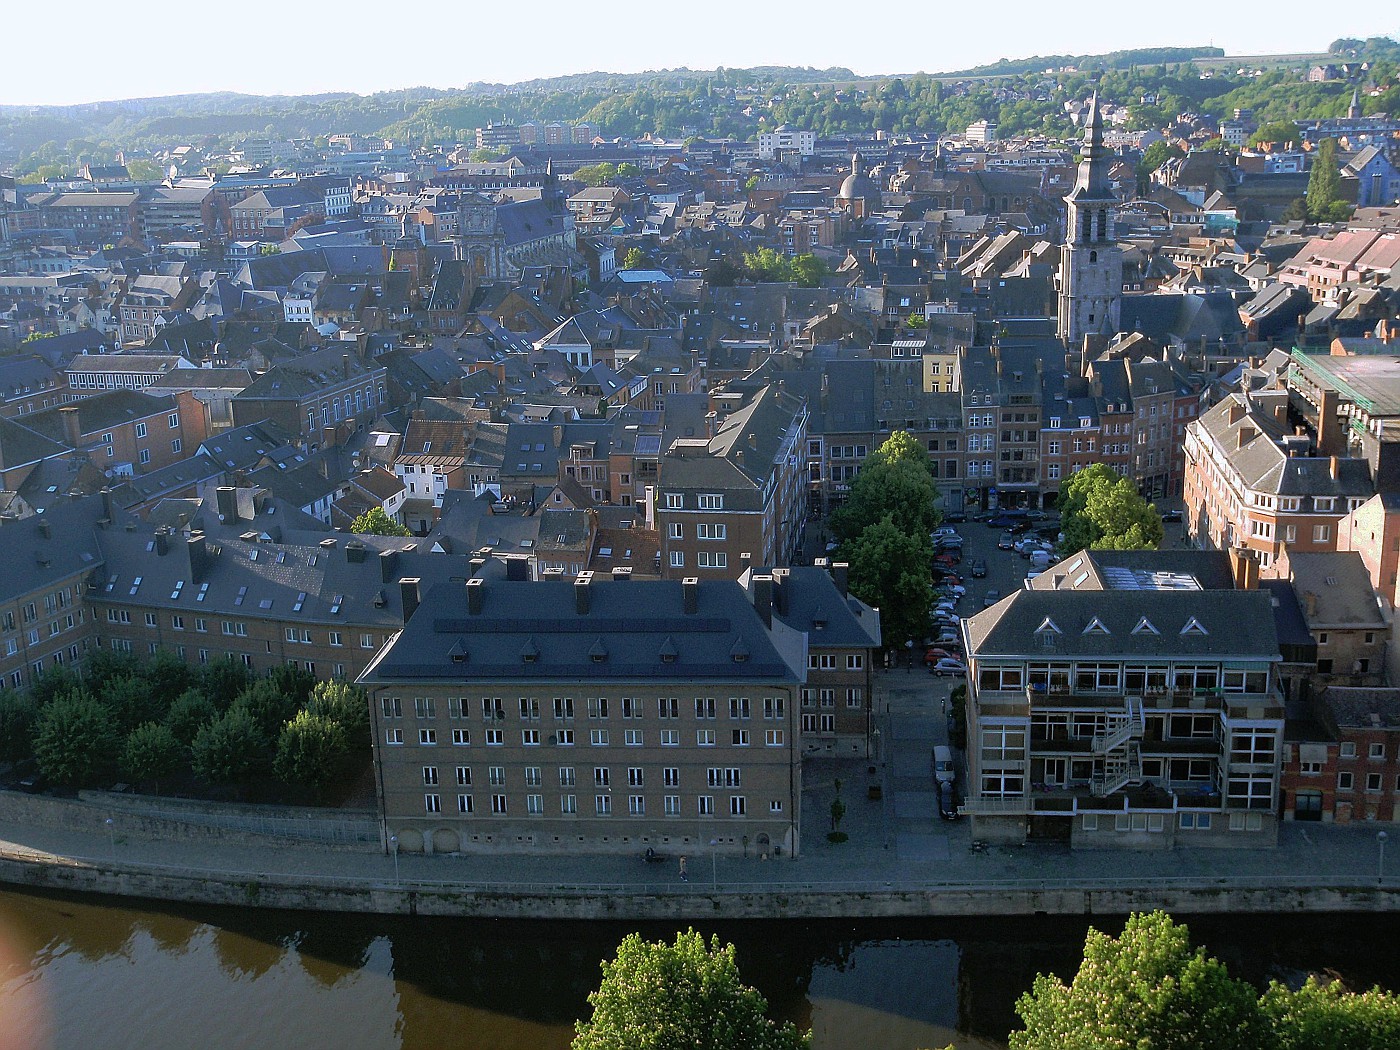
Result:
[684,876]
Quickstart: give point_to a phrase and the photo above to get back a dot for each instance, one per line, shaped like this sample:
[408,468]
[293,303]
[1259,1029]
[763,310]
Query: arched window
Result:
[1093,257]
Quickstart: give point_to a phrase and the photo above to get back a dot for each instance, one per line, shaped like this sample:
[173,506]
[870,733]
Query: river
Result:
[105,974]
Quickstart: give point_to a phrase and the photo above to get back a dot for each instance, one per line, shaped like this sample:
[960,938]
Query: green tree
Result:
[723,274]
[890,570]
[151,753]
[222,680]
[345,704]
[53,683]
[131,702]
[1324,182]
[1102,511]
[312,750]
[1325,1016]
[189,713]
[1147,989]
[916,322]
[766,265]
[268,705]
[75,740]
[230,750]
[596,174]
[634,259]
[376,522]
[751,183]
[18,713]
[809,271]
[1297,210]
[895,480]
[1278,132]
[681,996]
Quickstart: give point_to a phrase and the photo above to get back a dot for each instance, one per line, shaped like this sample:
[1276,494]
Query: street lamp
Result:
[394,845]
[909,645]
[1381,836]
[111,835]
[714,864]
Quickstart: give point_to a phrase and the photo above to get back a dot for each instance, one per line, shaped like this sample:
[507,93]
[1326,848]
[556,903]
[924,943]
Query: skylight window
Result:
[135,585]
[242,593]
[203,591]
[1144,626]
[1193,627]
[1095,626]
[301,600]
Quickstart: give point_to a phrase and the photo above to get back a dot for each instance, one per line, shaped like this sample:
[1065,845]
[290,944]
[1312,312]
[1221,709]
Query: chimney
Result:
[46,530]
[107,505]
[477,564]
[226,503]
[1310,600]
[1236,411]
[72,429]
[745,560]
[763,597]
[517,567]
[344,366]
[476,593]
[162,540]
[328,438]
[1334,467]
[1245,570]
[199,556]
[354,552]
[583,590]
[388,562]
[841,576]
[554,572]
[621,573]
[1331,438]
[782,590]
[690,593]
[409,594]
[1244,436]
[558,435]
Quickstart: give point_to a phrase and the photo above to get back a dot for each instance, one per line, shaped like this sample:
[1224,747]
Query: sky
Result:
[108,50]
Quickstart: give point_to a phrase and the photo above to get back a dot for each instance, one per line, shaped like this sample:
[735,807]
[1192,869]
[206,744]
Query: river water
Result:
[101,974]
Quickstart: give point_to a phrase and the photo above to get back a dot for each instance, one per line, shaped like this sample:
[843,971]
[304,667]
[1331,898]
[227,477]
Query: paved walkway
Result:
[896,842]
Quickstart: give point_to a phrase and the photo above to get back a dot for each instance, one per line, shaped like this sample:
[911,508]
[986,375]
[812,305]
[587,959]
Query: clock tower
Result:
[1091,263]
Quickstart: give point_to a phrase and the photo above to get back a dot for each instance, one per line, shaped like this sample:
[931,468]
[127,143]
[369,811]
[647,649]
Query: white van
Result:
[943,771]
[1040,560]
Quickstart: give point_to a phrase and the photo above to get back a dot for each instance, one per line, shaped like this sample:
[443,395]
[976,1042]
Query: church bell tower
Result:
[1091,263]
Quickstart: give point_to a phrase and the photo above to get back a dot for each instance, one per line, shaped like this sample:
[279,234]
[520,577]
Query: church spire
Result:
[1354,110]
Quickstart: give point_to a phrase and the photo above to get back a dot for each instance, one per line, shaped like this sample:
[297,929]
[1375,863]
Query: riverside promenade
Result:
[900,859]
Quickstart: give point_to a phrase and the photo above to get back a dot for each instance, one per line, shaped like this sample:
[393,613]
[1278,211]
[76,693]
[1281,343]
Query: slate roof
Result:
[1235,623]
[1334,589]
[806,599]
[621,638]
[35,561]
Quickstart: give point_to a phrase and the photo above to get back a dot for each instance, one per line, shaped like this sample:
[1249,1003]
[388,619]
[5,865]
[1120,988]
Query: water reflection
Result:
[93,974]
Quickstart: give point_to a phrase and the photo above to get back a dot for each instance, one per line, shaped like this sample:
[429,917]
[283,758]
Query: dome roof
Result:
[859,186]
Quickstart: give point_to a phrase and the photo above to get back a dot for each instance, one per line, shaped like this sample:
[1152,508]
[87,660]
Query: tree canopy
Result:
[376,522]
[1102,511]
[1324,197]
[1150,989]
[1146,988]
[681,996]
[891,570]
[894,481]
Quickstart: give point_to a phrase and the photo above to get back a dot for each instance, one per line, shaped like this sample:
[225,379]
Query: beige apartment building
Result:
[604,716]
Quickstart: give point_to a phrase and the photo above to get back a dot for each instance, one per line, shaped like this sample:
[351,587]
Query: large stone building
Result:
[592,716]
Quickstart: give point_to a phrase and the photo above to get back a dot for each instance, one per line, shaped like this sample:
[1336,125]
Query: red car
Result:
[936,653]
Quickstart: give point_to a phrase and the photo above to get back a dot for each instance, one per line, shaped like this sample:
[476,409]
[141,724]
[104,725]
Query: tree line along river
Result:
[102,974]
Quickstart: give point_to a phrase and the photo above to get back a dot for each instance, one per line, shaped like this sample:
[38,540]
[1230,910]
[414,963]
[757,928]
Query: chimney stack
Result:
[1244,436]
[199,556]
[782,590]
[162,540]
[690,593]
[1334,467]
[226,503]
[763,597]
[72,428]
[583,590]
[388,562]
[344,366]
[409,594]
[354,552]
[517,567]
[621,573]
[841,576]
[476,593]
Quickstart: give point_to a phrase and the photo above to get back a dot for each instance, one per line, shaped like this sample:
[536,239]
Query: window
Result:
[736,805]
[675,530]
[637,805]
[464,776]
[565,737]
[602,805]
[461,737]
[1344,781]
[495,737]
[670,738]
[598,737]
[498,804]
[712,560]
[424,707]
[432,803]
[534,805]
[708,531]
[672,805]
[674,501]
[464,804]
[711,502]
[1376,752]
[704,738]
[705,805]
[172,421]
[1321,533]
[140,430]
[633,738]
[636,776]
[1373,781]
[568,804]
[738,707]
[1348,749]
[678,559]
[393,737]
[176,445]
[530,737]
[772,738]
[427,737]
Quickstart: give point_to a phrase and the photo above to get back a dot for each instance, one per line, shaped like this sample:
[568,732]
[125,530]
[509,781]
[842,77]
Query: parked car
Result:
[939,652]
[955,518]
[943,530]
[1006,542]
[948,543]
[944,772]
[1172,515]
[991,598]
[955,589]
[979,568]
[947,636]
[1004,519]
[1019,527]
[948,665]
[947,800]
[948,558]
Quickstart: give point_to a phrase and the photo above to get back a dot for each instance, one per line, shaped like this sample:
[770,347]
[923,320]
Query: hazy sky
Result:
[109,49]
